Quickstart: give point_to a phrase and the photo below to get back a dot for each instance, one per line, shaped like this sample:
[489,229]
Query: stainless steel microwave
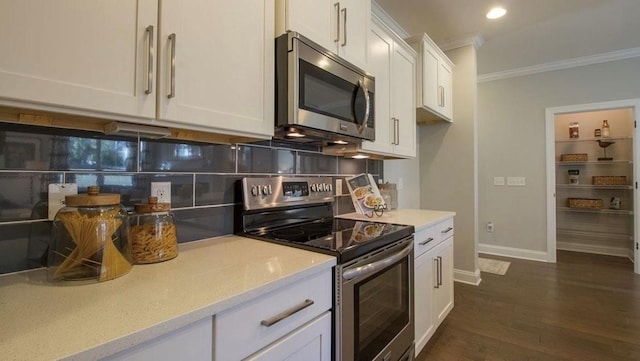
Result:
[320,96]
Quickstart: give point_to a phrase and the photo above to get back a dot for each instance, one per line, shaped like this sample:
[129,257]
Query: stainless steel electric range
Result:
[373,289]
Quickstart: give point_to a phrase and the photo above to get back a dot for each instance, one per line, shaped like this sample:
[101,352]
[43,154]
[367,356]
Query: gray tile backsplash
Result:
[204,177]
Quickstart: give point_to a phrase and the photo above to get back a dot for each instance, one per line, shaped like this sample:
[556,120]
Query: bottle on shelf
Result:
[605,128]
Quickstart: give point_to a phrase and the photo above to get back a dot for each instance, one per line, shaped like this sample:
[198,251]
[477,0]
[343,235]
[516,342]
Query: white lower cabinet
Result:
[290,323]
[433,274]
[192,342]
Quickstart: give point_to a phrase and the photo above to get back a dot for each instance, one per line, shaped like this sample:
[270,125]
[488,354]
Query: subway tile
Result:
[254,159]
[199,223]
[217,189]
[352,166]
[23,195]
[136,188]
[375,166]
[24,246]
[314,163]
[50,149]
[167,156]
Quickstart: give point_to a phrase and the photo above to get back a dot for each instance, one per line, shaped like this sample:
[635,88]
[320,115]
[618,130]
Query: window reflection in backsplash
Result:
[204,192]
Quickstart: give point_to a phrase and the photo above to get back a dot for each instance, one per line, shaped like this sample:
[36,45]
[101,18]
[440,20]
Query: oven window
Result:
[382,309]
[324,93]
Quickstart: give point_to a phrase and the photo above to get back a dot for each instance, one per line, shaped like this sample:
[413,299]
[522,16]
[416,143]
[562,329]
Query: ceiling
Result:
[533,32]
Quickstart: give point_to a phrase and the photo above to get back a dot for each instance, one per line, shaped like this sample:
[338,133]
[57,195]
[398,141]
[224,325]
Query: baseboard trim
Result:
[587,248]
[513,252]
[472,278]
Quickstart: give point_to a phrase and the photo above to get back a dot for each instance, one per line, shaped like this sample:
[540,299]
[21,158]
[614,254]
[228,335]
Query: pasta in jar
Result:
[153,233]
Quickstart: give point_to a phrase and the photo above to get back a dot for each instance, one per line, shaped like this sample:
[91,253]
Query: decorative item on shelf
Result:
[597,133]
[90,239]
[605,128]
[365,195]
[604,144]
[574,130]
[574,176]
[615,203]
[580,157]
[609,180]
[584,203]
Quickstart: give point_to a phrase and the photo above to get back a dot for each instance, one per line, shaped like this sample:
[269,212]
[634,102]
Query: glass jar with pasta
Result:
[152,232]
[90,239]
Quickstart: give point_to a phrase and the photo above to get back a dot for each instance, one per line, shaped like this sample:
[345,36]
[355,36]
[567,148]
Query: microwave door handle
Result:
[367,108]
[373,267]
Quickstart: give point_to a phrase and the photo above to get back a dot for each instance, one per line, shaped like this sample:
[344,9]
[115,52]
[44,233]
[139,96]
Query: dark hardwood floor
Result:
[585,307]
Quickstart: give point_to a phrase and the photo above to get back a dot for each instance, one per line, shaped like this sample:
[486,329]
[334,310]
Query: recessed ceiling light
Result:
[495,13]
[359,156]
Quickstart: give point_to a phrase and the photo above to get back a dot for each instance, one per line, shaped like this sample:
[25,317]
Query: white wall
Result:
[511,132]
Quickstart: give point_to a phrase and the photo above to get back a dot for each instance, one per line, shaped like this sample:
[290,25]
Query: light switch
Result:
[498,181]
[516,181]
[56,196]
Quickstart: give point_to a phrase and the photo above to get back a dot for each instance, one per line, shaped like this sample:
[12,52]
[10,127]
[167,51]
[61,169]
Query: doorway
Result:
[592,175]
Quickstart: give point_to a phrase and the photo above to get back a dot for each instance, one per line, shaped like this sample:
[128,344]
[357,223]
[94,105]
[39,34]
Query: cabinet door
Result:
[221,61]
[354,19]
[77,55]
[313,19]
[429,78]
[311,342]
[444,293]
[192,342]
[425,281]
[446,94]
[381,50]
[402,100]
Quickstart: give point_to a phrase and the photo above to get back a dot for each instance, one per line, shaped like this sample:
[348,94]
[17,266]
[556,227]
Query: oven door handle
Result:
[373,267]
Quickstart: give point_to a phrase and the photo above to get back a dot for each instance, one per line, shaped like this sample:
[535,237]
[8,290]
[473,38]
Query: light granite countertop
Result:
[44,321]
[419,218]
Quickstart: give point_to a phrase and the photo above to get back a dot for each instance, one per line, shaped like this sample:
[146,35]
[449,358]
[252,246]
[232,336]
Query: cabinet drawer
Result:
[429,237]
[241,331]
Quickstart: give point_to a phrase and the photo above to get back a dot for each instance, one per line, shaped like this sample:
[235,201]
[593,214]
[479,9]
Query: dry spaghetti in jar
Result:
[152,231]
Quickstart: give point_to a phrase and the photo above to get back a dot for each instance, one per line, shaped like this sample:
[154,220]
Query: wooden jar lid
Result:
[152,206]
[93,197]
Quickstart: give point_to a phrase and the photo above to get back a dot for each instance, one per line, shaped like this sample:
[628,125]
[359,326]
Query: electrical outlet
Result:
[162,190]
[490,227]
[338,187]
[57,192]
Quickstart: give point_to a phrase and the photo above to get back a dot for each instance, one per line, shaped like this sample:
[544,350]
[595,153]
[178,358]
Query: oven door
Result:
[377,305]
[330,94]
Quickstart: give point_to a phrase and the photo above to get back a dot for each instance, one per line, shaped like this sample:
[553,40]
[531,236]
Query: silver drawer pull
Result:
[427,241]
[279,317]
[447,230]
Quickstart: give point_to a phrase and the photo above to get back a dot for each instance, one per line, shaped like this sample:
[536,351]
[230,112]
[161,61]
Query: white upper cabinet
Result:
[211,68]
[216,65]
[392,63]
[74,56]
[434,81]
[341,26]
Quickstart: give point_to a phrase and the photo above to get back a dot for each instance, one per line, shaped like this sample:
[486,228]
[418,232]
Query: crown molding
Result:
[562,64]
[388,20]
[474,40]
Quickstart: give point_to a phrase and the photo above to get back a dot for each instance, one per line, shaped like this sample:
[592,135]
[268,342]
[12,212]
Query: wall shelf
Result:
[591,186]
[598,210]
[599,162]
[592,139]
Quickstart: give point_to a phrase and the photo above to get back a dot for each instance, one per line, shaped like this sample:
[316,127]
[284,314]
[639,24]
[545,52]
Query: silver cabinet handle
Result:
[397,132]
[437,260]
[336,6]
[441,101]
[426,241]
[172,76]
[281,316]
[449,229]
[439,273]
[373,267]
[150,56]
[344,27]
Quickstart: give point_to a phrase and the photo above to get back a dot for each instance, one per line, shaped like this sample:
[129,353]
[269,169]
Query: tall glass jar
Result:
[153,232]
[90,239]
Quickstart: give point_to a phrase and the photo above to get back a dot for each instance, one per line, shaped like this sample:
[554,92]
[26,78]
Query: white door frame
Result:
[550,114]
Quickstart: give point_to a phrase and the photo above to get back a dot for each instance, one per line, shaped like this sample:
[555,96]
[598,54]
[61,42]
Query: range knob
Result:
[255,191]
[266,190]
[329,187]
[314,188]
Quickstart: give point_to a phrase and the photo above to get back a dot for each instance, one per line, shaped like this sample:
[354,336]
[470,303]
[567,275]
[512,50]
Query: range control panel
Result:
[269,192]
